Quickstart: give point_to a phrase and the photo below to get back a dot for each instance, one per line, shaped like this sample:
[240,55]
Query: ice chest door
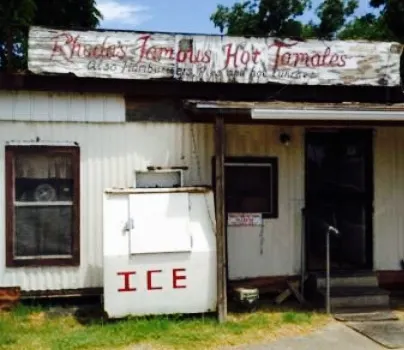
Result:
[160,223]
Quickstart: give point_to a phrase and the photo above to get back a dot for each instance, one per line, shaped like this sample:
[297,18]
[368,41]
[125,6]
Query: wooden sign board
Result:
[213,59]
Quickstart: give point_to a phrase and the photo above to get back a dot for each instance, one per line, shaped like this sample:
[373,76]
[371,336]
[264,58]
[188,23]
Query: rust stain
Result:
[9,297]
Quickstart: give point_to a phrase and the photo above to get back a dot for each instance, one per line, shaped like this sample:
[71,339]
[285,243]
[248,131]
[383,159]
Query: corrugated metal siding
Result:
[61,107]
[281,243]
[282,236]
[389,198]
[110,154]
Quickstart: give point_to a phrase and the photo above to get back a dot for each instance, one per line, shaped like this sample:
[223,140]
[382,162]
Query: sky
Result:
[187,16]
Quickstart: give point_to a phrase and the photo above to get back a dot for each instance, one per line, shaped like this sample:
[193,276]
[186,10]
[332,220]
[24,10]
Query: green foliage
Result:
[332,15]
[392,12]
[17,15]
[260,18]
[367,27]
[336,19]
[67,13]
[296,317]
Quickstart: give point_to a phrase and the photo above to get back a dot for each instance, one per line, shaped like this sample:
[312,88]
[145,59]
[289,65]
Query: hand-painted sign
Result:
[221,59]
[177,276]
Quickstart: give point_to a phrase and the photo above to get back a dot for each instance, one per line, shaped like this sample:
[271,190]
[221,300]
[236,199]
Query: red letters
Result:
[68,46]
[149,280]
[239,55]
[255,55]
[157,53]
[178,278]
[126,282]
[176,275]
[299,59]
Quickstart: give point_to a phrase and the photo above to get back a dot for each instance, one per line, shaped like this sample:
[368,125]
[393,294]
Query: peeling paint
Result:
[216,59]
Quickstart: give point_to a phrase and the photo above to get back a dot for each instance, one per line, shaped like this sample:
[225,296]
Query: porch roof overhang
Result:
[278,111]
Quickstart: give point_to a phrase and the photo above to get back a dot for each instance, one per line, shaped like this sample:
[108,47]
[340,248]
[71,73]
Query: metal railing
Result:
[335,231]
[329,230]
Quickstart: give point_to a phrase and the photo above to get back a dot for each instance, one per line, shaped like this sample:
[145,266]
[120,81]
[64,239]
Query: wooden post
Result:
[220,220]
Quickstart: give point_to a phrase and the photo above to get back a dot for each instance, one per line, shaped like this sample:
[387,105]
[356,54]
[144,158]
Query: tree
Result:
[280,18]
[16,16]
[392,15]
[367,27]
[333,15]
[261,18]
[335,19]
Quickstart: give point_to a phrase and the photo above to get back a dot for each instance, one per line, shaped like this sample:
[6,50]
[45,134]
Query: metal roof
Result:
[240,106]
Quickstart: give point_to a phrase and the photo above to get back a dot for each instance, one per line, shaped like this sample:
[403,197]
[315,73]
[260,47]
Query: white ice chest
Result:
[159,250]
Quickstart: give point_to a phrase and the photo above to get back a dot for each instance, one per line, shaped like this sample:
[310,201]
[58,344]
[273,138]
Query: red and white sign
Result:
[244,219]
[221,59]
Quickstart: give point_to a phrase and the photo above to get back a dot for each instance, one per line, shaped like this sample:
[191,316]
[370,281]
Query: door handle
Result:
[129,225]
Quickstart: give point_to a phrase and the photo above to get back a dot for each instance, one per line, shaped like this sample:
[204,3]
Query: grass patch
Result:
[37,328]
[296,317]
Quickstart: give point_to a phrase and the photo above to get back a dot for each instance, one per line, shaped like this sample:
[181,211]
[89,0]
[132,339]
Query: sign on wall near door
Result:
[244,219]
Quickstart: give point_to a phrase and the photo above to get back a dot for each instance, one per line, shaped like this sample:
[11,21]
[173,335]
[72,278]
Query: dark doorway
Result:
[339,192]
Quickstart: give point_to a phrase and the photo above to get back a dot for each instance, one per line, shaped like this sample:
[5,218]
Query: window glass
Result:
[42,230]
[43,205]
[251,187]
[43,178]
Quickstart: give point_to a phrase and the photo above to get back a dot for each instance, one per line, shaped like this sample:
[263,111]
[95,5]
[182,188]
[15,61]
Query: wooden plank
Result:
[283,296]
[293,287]
[220,220]
[212,59]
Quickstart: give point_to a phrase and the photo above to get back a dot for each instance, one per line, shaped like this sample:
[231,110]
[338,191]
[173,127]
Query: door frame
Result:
[369,170]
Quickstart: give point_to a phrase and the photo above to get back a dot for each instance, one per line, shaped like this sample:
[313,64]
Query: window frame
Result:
[255,161]
[10,153]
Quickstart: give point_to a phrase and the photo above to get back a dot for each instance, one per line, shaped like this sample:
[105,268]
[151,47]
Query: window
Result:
[251,185]
[43,196]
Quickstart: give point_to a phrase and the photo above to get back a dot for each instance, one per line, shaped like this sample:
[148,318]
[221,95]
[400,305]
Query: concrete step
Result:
[348,280]
[357,297]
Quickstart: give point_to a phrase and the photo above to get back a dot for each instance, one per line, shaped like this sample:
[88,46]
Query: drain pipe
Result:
[330,230]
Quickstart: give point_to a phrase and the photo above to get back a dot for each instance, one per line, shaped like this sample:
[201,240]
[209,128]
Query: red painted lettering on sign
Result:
[149,280]
[126,281]
[239,56]
[177,277]
[255,55]
[304,59]
[68,46]
[154,53]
